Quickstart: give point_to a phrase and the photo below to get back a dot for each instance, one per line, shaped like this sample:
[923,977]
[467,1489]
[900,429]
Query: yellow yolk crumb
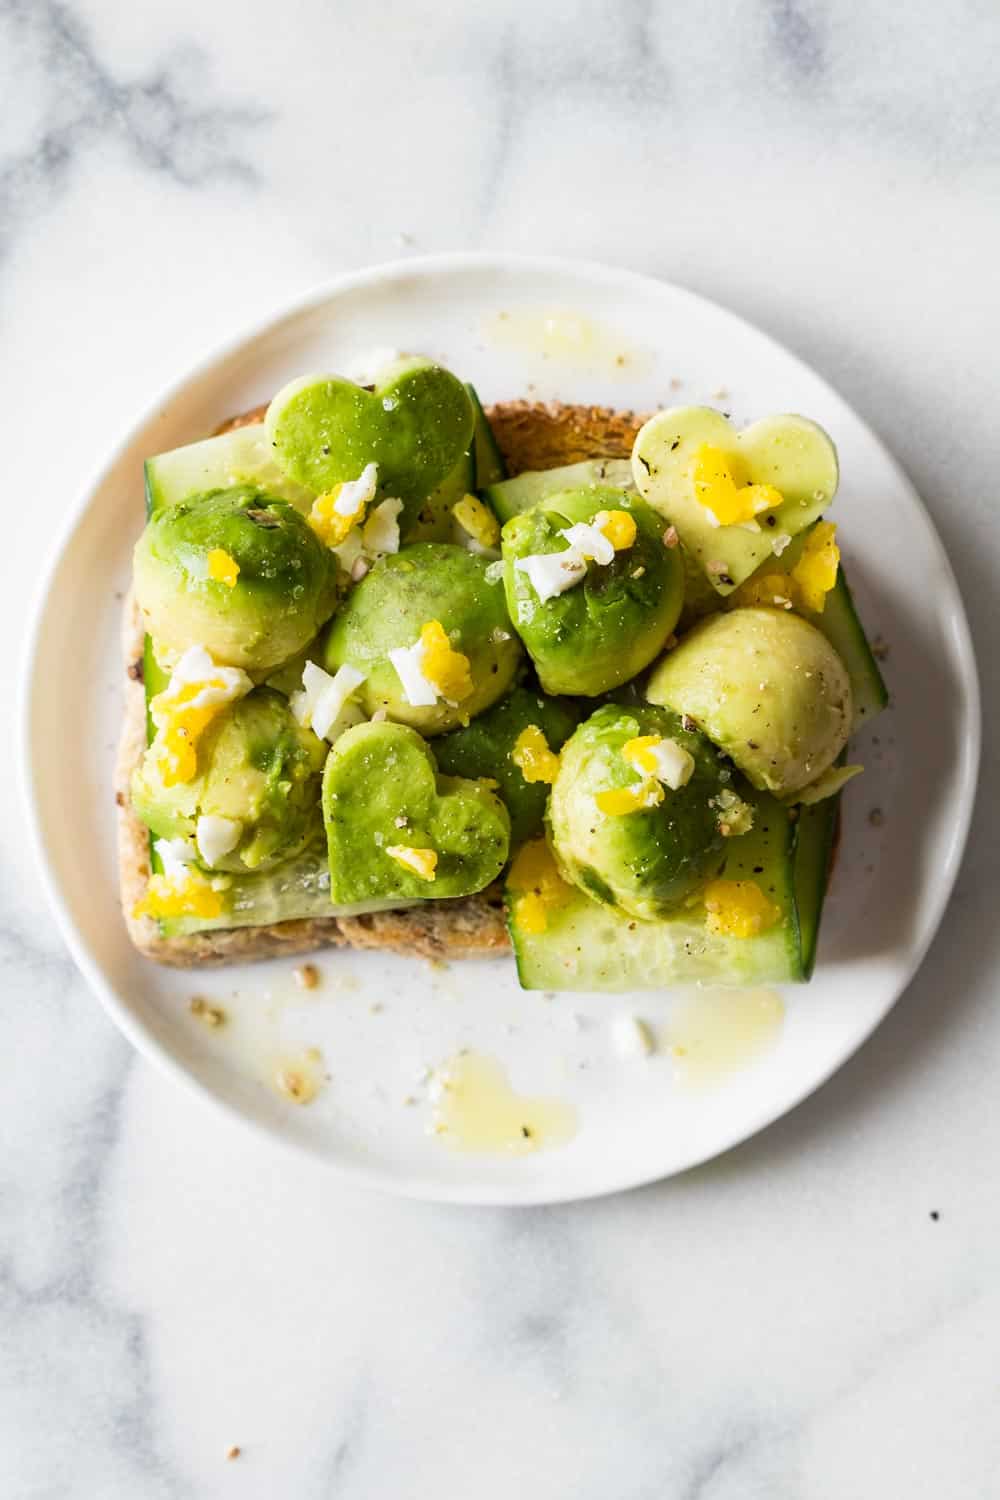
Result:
[621,800]
[774,590]
[727,503]
[477,520]
[738,908]
[808,583]
[222,567]
[330,525]
[664,759]
[167,896]
[422,862]
[181,724]
[816,570]
[538,885]
[618,526]
[442,665]
[532,756]
[639,753]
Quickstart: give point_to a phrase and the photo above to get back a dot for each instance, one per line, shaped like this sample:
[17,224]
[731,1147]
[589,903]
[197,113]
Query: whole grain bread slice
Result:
[530,435]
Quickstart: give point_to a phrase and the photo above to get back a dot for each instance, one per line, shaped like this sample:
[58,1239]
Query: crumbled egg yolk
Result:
[422,862]
[738,908]
[222,567]
[816,570]
[442,665]
[330,524]
[619,801]
[196,692]
[639,752]
[662,758]
[538,886]
[727,503]
[618,526]
[188,895]
[339,510]
[808,583]
[178,754]
[477,520]
[532,756]
[775,590]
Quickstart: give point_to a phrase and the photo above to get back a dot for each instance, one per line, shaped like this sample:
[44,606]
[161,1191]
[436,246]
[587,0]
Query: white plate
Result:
[381,1022]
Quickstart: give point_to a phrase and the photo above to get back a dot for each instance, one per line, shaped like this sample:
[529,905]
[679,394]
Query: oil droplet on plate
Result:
[300,1078]
[477,1110]
[714,1032]
[565,337]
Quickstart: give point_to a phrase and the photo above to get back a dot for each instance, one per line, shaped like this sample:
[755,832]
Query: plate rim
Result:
[414,1185]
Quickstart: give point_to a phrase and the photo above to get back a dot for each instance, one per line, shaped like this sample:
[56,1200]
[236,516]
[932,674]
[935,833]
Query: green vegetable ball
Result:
[486,747]
[237,571]
[649,861]
[768,688]
[397,830]
[612,622]
[256,767]
[405,592]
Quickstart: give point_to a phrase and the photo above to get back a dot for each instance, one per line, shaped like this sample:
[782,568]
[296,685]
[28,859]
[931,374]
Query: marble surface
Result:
[818,1314]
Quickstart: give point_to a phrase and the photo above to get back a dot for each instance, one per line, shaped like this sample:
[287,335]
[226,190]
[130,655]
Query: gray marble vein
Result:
[166,118]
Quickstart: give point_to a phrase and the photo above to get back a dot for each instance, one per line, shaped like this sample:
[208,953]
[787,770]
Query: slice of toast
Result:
[531,436]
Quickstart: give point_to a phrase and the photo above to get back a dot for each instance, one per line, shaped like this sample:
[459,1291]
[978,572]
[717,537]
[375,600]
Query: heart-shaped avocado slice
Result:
[678,457]
[397,830]
[415,424]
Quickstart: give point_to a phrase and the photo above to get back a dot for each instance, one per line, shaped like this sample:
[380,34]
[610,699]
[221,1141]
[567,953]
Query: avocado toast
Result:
[613,728]
[530,435]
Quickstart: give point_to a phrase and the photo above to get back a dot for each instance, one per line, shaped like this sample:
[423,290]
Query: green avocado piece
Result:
[789,452]
[840,623]
[284,591]
[767,688]
[415,425]
[611,624]
[647,863]
[257,766]
[381,790]
[389,608]
[484,748]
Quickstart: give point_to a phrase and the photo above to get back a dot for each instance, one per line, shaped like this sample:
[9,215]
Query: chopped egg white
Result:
[780,542]
[631,1037]
[418,690]
[216,837]
[590,541]
[381,531]
[321,702]
[350,549]
[355,494]
[674,765]
[214,686]
[552,573]
[175,855]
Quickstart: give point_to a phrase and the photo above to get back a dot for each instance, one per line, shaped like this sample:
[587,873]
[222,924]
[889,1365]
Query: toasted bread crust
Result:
[531,435]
